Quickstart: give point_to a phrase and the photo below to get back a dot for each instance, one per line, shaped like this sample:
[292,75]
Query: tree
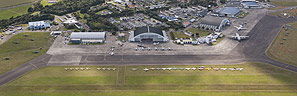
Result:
[223,1]
[30,9]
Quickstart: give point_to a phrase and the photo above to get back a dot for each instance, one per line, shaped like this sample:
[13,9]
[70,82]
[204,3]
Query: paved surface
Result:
[251,50]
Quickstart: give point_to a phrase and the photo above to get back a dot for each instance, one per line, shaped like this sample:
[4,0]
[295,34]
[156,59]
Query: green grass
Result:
[23,52]
[55,81]
[285,52]
[6,14]
[242,15]
[201,32]
[284,3]
[290,12]
[149,93]
[7,3]
[181,35]
[45,2]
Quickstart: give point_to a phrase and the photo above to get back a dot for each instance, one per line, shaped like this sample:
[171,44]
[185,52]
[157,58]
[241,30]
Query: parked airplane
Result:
[155,44]
[238,37]
[145,69]
[240,27]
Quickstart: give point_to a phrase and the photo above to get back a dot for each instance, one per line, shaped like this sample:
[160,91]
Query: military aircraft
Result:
[238,37]
[240,27]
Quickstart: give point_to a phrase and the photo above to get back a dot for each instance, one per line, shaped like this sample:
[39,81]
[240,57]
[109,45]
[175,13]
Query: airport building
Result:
[214,23]
[38,25]
[147,33]
[228,12]
[251,4]
[87,37]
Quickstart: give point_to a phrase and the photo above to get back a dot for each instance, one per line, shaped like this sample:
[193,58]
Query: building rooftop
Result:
[210,20]
[146,29]
[250,3]
[229,10]
[87,35]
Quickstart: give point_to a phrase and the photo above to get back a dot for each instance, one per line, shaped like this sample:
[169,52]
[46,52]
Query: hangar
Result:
[214,23]
[250,4]
[147,33]
[87,37]
[228,12]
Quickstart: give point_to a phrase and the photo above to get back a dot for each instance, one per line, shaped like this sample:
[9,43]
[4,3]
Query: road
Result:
[251,50]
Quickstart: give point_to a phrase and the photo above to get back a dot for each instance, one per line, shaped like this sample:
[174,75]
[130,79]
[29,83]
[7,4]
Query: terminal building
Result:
[87,37]
[147,33]
[38,25]
[214,23]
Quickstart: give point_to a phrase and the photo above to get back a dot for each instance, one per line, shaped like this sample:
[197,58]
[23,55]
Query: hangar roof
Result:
[229,10]
[250,3]
[210,20]
[147,29]
[87,35]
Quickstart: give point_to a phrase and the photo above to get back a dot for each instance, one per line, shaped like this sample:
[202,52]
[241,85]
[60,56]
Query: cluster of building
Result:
[201,40]
[138,20]
[70,20]
[37,25]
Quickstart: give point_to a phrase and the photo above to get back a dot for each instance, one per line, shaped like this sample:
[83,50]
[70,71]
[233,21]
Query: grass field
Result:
[201,32]
[285,3]
[256,79]
[287,51]
[23,52]
[45,2]
[290,12]
[7,3]
[6,14]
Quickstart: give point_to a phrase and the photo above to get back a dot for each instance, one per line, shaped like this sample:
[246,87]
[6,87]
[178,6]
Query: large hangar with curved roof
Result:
[147,33]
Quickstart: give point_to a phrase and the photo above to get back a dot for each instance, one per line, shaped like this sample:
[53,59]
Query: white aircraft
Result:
[188,69]
[238,37]
[145,69]
[169,68]
[148,48]
[223,69]
[169,49]
[98,68]
[194,69]
[136,49]
[240,27]
[155,44]
[111,53]
[163,68]
[156,49]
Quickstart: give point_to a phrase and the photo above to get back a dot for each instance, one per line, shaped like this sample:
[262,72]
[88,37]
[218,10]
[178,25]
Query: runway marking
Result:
[34,65]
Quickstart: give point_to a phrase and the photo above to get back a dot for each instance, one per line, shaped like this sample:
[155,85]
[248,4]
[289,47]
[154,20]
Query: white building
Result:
[87,37]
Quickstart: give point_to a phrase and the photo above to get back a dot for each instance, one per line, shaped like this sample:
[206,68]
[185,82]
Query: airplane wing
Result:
[243,37]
